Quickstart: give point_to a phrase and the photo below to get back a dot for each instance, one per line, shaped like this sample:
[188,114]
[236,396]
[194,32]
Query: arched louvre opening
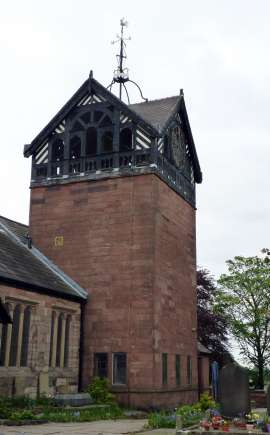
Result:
[3,349]
[58,150]
[14,336]
[166,148]
[97,115]
[59,339]
[125,142]
[105,122]
[25,336]
[107,142]
[75,148]
[91,141]
[86,117]
[67,334]
[53,321]
[77,126]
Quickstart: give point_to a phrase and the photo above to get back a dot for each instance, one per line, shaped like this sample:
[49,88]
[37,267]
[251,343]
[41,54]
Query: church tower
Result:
[113,205]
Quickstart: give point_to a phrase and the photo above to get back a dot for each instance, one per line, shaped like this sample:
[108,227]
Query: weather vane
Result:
[121,74]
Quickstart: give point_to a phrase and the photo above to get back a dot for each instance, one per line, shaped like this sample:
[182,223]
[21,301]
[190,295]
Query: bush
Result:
[91,414]
[22,415]
[99,391]
[20,402]
[5,412]
[161,420]
[207,402]
[190,414]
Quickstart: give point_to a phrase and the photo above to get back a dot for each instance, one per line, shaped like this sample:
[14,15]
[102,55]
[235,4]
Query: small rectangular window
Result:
[189,370]
[101,365]
[164,368]
[120,368]
[177,370]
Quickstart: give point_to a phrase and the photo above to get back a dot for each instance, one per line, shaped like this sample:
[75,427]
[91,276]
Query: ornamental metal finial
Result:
[121,74]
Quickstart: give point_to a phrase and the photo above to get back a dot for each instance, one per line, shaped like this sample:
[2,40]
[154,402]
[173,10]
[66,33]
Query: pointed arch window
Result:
[125,143]
[59,339]
[25,336]
[58,150]
[77,126]
[166,148]
[91,141]
[75,148]
[107,142]
[3,349]
[53,320]
[66,351]
[14,336]
[105,121]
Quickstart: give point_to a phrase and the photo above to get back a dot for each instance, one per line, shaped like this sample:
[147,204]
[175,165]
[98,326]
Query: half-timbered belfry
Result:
[113,205]
[95,134]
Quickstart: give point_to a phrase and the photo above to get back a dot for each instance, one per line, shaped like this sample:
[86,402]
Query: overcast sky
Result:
[218,51]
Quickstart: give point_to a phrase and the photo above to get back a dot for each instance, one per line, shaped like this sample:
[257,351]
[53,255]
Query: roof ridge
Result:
[152,101]
[38,255]
[12,220]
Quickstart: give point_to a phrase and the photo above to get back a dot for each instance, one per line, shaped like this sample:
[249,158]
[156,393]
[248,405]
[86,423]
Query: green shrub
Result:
[22,415]
[90,414]
[207,402]
[5,412]
[99,391]
[19,402]
[190,414]
[161,420]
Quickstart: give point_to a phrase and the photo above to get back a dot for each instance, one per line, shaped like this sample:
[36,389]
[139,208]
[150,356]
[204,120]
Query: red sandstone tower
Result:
[113,204]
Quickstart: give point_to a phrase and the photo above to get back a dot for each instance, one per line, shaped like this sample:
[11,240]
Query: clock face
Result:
[180,157]
[178,146]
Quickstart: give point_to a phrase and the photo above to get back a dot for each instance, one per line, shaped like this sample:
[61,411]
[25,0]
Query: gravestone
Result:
[76,399]
[234,391]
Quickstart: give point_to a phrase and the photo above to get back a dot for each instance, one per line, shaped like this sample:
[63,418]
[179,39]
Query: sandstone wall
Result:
[130,242]
[38,376]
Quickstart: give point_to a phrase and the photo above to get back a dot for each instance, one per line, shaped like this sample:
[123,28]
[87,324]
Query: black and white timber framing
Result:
[96,135]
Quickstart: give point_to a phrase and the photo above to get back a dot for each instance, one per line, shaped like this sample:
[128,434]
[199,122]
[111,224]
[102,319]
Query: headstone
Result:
[234,391]
[78,399]
[268,399]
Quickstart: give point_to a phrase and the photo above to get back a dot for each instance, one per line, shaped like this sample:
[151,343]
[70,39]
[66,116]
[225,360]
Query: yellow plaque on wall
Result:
[59,241]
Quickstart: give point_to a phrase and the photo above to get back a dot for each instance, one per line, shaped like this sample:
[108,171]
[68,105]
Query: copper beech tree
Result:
[244,298]
[212,326]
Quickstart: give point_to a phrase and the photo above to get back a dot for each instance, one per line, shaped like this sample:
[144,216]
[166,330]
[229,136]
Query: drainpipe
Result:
[81,347]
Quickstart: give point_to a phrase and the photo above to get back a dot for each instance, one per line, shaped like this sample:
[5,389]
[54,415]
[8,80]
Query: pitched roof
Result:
[157,112]
[29,267]
[202,349]
[87,88]
[154,116]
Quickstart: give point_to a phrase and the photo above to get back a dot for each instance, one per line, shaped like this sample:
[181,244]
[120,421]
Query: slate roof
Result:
[202,349]
[156,112]
[29,267]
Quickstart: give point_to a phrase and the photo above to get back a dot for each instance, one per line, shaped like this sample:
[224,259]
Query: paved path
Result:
[106,427]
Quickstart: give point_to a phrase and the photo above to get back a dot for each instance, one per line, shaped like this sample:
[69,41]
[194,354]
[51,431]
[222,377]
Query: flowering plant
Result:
[252,417]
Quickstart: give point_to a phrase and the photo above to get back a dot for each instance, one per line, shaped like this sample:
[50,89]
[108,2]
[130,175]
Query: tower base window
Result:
[101,365]
[120,368]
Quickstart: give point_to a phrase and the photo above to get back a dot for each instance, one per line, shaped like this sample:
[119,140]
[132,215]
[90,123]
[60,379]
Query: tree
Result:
[212,326]
[244,298]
